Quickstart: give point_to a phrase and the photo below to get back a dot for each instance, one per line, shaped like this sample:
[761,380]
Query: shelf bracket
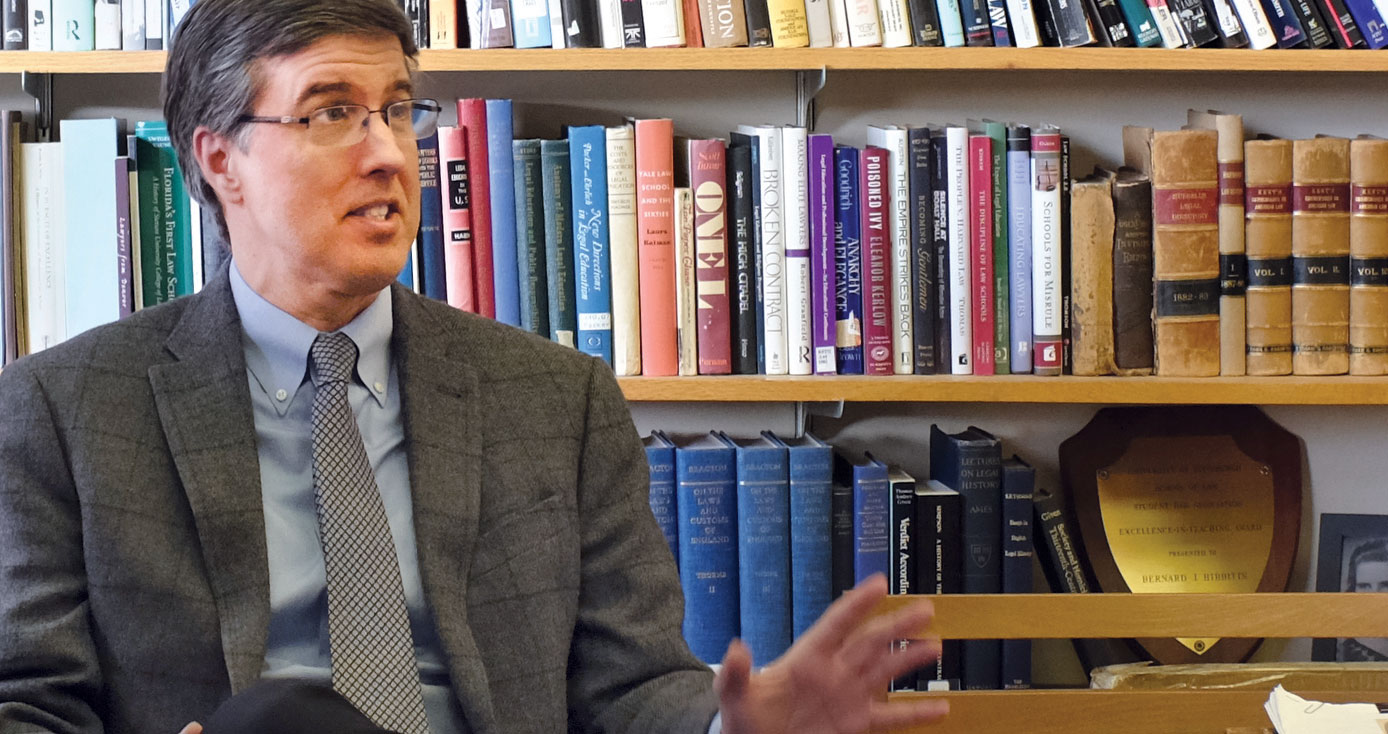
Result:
[808,84]
[39,85]
[804,412]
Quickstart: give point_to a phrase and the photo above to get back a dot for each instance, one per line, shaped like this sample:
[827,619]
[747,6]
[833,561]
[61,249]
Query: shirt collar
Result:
[277,344]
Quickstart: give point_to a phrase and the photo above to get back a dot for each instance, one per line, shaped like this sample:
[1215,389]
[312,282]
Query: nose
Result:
[383,149]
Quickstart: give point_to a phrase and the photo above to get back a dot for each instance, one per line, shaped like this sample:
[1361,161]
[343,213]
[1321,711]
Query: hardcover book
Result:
[877,330]
[1285,24]
[788,26]
[1047,253]
[45,245]
[530,27]
[848,261]
[921,289]
[77,18]
[501,175]
[430,235]
[796,230]
[1140,22]
[16,26]
[939,565]
[1019,245]
[1317,35]
[1340,22]
[1199,27]
[939,185]
[771,248]
[1255,24]
[758,22]
[821,215]
[961,281]
[660,457]
[456,200]
[472,117]
[1132,273]
[811,468]
[1367,15]
[978,26]
[556,178]
[724,23]
[11,258]
[1368,251]
[925,23]
[708,175]
[951,22]
[706,500]
[763,546]
[593,301]
[741,226]
[1233,262]
[1231,34]
[622,228]
[1268,228]
[166,267]
[981,251]
[655,220]
[1091,265]
[901,577]
[895,141]
[1320,256]
[530,238]
[1002,333]
[686,296]
[1018,481]
[871,549]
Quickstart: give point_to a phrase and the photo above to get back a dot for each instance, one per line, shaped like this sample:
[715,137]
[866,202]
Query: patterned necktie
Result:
[373,658]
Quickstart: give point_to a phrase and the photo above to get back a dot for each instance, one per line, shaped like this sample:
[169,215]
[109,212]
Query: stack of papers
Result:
[1292,714]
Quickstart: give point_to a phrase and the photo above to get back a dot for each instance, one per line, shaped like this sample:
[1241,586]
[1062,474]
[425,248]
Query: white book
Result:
[1255,24]
[136,283]
[1226,17]
[838,23]
[41,26]
[108,26]
[154,24]
[556,25]
[1382,6]
[663,21]
[1046,248]
[795,160]
[132,18]
[895,21]
[1171,34]
[819,23]
[894,140]
[622,244]
[610,23]
[686,284]
[45,243]
[89,189]
[1022,17]
[864,27]
[773,248]
[961,337]
[195,236]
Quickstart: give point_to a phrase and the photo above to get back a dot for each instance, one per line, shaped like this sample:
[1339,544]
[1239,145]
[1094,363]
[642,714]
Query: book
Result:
[871,548]
[741,229]
[686,293]
[1231,33]
[12,257]
[797,276]
[593,299]
[875,208]
[763,546]
[924,16]
[921,290]
[1285,24]
[940,233]
[1317,35]
[970,462]
[951,22]
[489,26]
[1111,28]
[166,268]
[16,26]
[895,19]
[664,21]
[1368,251]
[531,273]
[40,30]
[1141,23]
[530,27]
[1019,245]
[978,25]
[660,457]
[1002,333]
[840,534]
[77,21]
[1066,23]
[456,205]
[501,179]
[1199,27]
[1022,20]
[895,141]
[1340,22]
[624,250]
[430,234]
[706,502]
[981,252]
[757,304]
[901,576]
[472,117]
[1320,256]
[818,23]
[708,175]
[443,24]
[1132,272]
[1268,230]
[655,222]
[1065,279]
[758,22]
[724,23]
[939,565]
[556,180]
[1367,15]
[1091,266]
[1233,262]
[45,245]
[633,25]
[960,275]
[580,23]
[848,261]
[771,248]
[107,28]
[1018,483]
[820,149]
[810,473]
[864,23]
[611,33]
[1255,24]
[1172,33]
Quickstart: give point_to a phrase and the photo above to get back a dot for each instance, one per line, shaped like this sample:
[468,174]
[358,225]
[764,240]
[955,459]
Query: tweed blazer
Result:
[134,583]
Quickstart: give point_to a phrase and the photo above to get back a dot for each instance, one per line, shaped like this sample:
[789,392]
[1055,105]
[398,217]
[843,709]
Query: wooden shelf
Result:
[788,59]
[1014,389]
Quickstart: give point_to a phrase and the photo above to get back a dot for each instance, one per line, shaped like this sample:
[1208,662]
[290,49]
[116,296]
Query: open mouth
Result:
[379,211]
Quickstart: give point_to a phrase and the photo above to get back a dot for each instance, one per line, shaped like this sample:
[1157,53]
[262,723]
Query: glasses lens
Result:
[424,116]
[335,126]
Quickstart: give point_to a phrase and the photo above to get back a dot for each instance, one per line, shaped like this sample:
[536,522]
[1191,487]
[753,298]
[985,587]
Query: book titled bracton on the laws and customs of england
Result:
[811,463]
[660,457]
[706,502]
[763,546]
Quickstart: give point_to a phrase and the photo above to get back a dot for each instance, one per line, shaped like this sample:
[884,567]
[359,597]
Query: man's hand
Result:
[832,679]
[193,727]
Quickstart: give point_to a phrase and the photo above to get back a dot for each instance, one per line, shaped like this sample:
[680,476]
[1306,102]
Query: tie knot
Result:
[333,357]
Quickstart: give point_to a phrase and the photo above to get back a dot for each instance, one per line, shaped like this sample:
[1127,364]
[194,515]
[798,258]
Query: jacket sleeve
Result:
[49,674]
[629,667]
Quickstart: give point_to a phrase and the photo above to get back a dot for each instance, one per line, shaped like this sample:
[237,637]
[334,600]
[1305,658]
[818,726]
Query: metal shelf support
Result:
[39,85]
[808,84]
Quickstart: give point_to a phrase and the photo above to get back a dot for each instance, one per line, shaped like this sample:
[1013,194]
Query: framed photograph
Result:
[1353,556]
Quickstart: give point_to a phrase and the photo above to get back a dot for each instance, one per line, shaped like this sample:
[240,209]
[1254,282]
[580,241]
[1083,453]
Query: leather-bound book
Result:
[1185,252]
[1232,262]
[1132,272]
[1091,272]
[1268,228]
[1320,256]
[1368,253]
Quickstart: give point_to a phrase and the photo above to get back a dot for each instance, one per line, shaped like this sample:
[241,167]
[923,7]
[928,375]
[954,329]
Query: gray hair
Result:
[212,75]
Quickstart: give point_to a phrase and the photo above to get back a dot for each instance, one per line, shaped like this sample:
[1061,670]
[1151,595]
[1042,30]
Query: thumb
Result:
[736,671]
[193,727]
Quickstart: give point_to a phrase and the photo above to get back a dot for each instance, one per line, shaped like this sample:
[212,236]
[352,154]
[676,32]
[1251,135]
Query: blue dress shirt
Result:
[276,347]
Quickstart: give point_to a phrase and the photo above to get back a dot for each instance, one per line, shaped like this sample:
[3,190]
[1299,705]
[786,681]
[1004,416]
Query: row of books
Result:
[766,532]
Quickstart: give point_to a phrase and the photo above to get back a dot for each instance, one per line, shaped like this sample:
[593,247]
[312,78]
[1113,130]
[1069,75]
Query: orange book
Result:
[655,232]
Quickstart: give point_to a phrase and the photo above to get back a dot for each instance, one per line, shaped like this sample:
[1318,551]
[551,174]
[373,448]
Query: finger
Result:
[845,614]
[193,727]
[734,674]
[907,712]
[864,646]
[901,661]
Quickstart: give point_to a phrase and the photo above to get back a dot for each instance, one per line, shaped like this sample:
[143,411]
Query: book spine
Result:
[626,270]
[41,26]
[706,500]
[456,200]
[430,236]
[1368,251]
[1199,27]
[633,25]
[938,570]
[691,26]
[1022,17]
[1066,310]
[505,278]
[960,275]
[556,178]
[1185,247]
[821,214]
[581,23]
[107,31]
[1046,253]
[1341,24]
[1366,15]
[655,206]
[1285,25]
[443,24]
[871,522]
[758,22]
[1320,256]
[489,24]
[758,294]
[76,21]
[951,23]
[764,552]
[939,185]
[154,25]
[902,574]
[1091,257]
[1317,35]
[611,28]
[472,117]
[1019,246]
[819,24]
[897,145]
[893,15]
[745,334]
[921,290]
[877,330]
[156,249]
[1170,29]
[529,23]
[864,24]
[978,27]
[997,23]
[588,163]
[796,228]
[925,22]
[708,172]
[773,253]
[664,22]
[1112,26]
[1233,260]
[124,292]
[1140,22]
[16,26]
[1002,333]
[981,251]
[838,23]
[45,289]
[841,538]
[810,528]
[530,244]
[1132,275]
[661,460]
[848,262]
[1268,232]
[1255,23]
[1231,34]
[686,293]
[724,23]
[1018,480]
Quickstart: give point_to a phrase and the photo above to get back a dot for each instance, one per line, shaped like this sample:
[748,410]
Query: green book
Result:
[1140,22]
[1002,328]
[166,247]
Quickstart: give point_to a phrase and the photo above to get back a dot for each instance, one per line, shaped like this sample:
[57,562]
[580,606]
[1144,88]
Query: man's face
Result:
[1371,576]
[337,218]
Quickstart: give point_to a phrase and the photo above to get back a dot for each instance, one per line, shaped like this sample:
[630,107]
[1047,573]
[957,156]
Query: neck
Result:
[322,307]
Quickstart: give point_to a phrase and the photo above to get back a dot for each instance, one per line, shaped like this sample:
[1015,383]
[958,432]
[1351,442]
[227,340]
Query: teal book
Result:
[166,246]
[660,458]
[557,196]
[810,470]
[1140,22]
[531,277]
[74,27]
[92,263]
[592,260]
[763,546]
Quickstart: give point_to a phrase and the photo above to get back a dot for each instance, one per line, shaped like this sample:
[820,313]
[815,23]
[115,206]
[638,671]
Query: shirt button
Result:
[380,387]
[282,395]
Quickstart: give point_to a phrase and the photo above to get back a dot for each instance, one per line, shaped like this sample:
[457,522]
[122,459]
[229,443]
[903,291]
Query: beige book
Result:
[724,23]
[1232,262]
[1368,252]
[1268,238]
[686,285]
[626,271]
[1320,256]
[1091,274]
[789,26]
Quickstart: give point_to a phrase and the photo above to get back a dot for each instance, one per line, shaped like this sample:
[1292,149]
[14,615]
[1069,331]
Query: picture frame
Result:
[1352,556]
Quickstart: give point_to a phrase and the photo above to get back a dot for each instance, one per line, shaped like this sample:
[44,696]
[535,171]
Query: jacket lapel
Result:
[444,448]
[204,406]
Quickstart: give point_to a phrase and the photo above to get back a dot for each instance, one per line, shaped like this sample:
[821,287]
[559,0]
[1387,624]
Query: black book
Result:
[1110,25]
[633,24]
[1065,367]
[418,13]
[1198,24]
[841,576]
[922,211]
[741,243]
[755,182]
[1018,481]
[1064,23]
[16,25]
[939,234]
[978,27]
[925,23]
[1285,24]
[1317,35]
[1227,24]
[1341,24]
[939,566]
[902,579]
[580,24]
[758,22]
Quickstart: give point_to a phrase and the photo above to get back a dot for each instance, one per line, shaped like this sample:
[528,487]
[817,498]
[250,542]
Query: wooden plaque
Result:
[1186,499]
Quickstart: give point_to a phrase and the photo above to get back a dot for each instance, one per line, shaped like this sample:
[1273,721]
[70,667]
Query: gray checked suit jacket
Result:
[134,590]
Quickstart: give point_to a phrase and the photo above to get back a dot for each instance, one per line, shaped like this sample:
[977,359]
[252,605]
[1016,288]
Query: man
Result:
[306,472]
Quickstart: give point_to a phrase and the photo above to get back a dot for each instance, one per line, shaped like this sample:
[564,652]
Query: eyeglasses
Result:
[346,124]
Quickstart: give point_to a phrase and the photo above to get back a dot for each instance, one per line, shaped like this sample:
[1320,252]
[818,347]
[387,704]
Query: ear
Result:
[216,156]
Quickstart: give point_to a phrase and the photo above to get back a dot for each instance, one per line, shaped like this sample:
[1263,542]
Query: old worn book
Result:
[1232,260]
[1185,252]
[1132,272]
[1368,252]
[1268,236]
[1320,256]
[1091,271]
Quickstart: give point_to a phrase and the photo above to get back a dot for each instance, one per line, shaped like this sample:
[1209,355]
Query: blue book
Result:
[970,462]
[530,238]
[706,500]
[660,456]
[848,262]
[431,220]
[1370,22]
[871,513]
[1019,243]
[920,155]
[811,471]
[76,21]
[1018,481]
[555,180]
[763,546]
[997,18]
[505,278]
[951,27]
[592,268]
[92,261]
[1285,25]
[530,28]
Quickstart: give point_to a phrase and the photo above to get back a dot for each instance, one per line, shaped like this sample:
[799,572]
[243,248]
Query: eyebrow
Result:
[316,90]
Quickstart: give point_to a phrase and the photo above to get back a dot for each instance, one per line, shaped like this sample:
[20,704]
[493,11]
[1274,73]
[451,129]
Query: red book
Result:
[708,171]
[981,253]
[877,263]
[655,232]
[693,27]
[455,188]
[472,117]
